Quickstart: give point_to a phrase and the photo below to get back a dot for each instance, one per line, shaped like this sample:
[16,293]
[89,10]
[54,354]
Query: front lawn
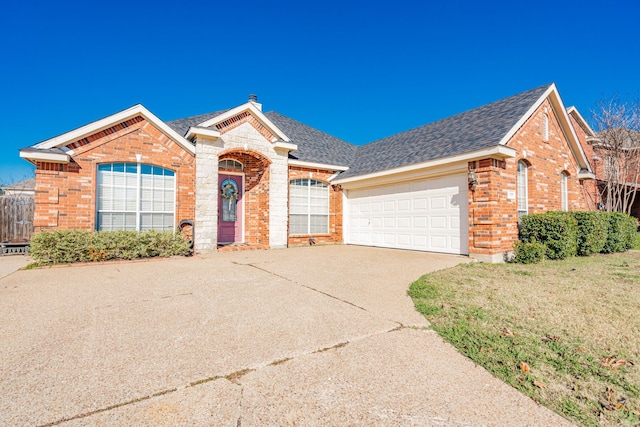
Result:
[566,333]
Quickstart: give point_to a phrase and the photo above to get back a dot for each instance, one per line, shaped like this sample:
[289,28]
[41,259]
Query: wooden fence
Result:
[16,217]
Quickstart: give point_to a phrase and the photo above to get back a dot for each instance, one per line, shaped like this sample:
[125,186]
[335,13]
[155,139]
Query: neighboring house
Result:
[457,185]
[22,188]
[600,160]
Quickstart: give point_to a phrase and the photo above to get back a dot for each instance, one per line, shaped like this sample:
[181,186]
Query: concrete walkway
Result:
[305,336]
[9,264]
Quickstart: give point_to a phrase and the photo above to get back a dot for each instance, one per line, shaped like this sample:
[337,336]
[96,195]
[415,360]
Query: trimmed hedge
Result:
[622,231]
[70,246]
[593,229]
[529,253]
[565,234]
[556,230]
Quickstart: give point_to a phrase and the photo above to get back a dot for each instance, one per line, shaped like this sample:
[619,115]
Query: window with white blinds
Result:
[308,207]
[133,196]
[523,190]
[564,192]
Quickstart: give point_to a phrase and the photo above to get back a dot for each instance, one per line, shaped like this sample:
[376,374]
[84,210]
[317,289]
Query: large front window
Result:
[133,196]
[308,207]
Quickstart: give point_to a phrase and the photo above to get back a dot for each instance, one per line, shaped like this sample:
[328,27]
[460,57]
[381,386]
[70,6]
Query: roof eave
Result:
[497,151]
[44,156]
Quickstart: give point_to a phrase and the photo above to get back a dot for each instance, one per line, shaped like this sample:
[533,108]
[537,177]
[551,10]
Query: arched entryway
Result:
[243,202]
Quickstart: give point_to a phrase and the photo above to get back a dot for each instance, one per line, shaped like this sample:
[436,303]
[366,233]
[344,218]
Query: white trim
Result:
[314,165]
[586,175]
[198,131]
[573,110]
[45,156]
[499,151]
[107,122]
[251,107]
[285,145]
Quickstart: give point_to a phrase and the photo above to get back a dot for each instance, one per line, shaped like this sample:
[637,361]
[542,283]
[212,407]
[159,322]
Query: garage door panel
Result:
[423,215]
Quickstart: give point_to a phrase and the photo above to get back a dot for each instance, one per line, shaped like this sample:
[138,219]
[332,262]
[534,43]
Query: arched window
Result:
[523,189]
[230,164]
[564,192]
[545,127]
[135,196]
[308,207]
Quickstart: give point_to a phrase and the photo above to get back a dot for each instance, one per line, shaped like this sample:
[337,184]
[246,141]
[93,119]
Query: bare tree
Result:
[617,148]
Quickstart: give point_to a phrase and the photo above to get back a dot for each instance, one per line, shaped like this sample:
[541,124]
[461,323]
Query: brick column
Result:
[206,219]
[493,215]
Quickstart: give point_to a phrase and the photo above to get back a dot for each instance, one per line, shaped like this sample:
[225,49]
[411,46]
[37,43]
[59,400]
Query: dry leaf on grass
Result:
[507,333]
[524,367]
[539,384]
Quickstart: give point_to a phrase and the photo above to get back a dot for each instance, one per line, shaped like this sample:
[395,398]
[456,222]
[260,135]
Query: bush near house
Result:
[70,246]
[593,228]
[556,230]
[622,232]
[566,234]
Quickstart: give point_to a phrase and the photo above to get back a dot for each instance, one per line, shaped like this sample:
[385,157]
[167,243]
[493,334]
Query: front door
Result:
[230,208]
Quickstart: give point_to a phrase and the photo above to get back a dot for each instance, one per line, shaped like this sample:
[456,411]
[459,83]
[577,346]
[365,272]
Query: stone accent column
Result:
[206,220]
[278,200]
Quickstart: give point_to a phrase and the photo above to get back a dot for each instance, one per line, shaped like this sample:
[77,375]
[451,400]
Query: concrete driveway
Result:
[304,336]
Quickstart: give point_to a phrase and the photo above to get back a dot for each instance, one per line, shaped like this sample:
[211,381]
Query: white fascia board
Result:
[586,175]
[498,151]
[259,115]
[107,122]
[285,145]
[574,111]
[44,156]
[208,132]
[317,165]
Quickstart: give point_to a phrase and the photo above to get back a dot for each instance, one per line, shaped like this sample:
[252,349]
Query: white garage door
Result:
[427,215]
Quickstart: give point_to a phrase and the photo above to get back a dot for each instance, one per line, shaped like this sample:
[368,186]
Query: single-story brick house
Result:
[457,185]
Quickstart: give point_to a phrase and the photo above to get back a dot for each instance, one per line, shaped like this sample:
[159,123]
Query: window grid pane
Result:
[308,207]
[129,194]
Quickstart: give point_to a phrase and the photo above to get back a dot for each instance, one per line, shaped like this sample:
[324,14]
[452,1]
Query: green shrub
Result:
[622,231]
[69,246]
[592,231]
[556,230]
[529,252]
[636,242]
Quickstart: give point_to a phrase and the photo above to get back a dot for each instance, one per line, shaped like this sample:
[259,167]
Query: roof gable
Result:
[60,147]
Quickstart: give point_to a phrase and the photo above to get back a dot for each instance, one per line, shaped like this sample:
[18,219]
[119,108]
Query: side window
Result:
[523,189]
[564,192]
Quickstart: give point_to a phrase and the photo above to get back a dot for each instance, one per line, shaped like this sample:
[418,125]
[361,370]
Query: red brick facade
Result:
[335,207]
[65,194]
[493,214]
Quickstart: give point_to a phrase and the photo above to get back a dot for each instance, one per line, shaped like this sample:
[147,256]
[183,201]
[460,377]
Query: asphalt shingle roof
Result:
[313,145]
[182,125]
[472,130]
[479,128]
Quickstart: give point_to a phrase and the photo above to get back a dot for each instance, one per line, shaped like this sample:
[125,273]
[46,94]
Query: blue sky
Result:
[359,70]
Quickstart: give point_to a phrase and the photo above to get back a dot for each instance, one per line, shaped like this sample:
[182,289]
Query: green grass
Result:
[566,333]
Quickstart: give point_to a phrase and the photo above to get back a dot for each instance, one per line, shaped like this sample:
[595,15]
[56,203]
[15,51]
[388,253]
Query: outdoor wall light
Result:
[472,180]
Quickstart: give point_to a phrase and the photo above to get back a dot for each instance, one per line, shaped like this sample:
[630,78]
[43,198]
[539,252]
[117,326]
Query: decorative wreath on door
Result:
[229,190]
